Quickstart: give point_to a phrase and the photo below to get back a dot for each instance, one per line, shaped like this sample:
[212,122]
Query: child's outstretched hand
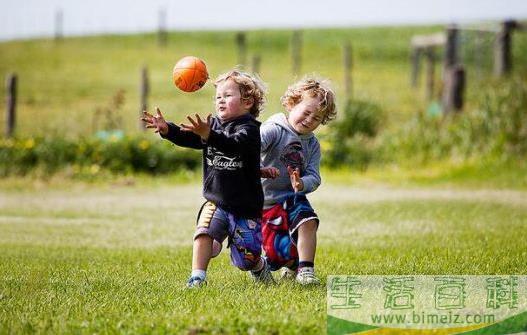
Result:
[296,181]
[198,126]
[270,172]
[158,121]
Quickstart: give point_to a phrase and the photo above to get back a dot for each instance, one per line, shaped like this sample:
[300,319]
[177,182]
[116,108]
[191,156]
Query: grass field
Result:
[82,258]
[98,253]
[62,84]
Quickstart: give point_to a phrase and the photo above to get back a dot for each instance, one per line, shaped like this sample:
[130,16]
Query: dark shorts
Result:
[279,230]
[244,235]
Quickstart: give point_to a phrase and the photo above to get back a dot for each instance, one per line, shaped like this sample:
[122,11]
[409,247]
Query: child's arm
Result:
[269,172]
[311,178]
[179,136]
[245,139]
[170,131]
[269,134]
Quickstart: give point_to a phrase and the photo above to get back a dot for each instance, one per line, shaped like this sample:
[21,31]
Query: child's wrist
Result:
[205,136]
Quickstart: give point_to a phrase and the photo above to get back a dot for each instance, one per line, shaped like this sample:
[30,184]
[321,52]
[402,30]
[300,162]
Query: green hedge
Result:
[495,129]
[117,154]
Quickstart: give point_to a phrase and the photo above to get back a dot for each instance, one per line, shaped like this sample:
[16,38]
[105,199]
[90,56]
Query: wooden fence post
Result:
[144,90]
[453,89]
[162,37]
[256,64]
[11,86]
[416,59]
[451,52]
[296,52]
[502,49]
[430,69]
[59,17]
[241,42]
[348,65]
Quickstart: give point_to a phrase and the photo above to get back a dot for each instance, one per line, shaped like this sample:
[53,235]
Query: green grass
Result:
[474,174]
[106,258]
[62,84]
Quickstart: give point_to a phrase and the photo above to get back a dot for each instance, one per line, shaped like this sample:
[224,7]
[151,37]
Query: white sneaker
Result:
[264,276]
[306,276]
[196,282]
[287,274]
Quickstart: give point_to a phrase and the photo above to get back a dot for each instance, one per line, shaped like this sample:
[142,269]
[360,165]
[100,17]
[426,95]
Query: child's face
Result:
[229,103]
[306,116]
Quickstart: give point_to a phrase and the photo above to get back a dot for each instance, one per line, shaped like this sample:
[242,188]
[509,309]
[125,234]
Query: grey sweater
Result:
[283,147]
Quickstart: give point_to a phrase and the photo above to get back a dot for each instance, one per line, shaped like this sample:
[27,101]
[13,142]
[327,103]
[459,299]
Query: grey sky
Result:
[29,18]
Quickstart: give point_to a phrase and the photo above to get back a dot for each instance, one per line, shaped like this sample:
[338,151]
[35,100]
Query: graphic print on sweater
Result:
[292,155]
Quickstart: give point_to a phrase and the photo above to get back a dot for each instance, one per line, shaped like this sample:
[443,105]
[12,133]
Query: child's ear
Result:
[248,103]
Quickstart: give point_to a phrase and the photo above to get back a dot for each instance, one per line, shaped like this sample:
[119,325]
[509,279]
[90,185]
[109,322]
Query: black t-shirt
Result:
[231,163]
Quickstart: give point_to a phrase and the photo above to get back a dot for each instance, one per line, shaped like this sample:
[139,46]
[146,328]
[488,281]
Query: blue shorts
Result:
[280,230]
[244,235]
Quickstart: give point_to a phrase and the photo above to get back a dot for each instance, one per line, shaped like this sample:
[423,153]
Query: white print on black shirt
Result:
[222,162]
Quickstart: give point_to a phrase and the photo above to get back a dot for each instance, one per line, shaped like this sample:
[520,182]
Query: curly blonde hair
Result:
[314,88]
[251,87]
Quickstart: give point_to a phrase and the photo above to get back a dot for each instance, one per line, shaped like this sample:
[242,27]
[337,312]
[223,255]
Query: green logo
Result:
[453,304]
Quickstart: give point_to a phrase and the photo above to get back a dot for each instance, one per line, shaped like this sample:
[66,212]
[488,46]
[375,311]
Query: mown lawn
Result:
[85,258]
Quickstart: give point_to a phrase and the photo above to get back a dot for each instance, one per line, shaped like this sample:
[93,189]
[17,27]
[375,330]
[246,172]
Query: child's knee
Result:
[216,248]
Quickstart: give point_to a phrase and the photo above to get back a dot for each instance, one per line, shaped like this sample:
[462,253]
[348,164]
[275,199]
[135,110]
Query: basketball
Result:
[190,74]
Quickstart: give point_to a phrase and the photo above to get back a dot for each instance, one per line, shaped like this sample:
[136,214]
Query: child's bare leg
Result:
[307,241]
[307,245]
[201,252]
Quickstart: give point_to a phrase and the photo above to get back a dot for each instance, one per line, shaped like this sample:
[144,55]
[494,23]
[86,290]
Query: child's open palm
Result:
[158,121]
[198,126]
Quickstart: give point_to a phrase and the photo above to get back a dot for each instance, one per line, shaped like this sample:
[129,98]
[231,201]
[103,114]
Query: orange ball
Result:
[190,74]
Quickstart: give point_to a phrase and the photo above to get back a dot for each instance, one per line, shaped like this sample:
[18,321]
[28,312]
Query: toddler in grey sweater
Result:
[290,155]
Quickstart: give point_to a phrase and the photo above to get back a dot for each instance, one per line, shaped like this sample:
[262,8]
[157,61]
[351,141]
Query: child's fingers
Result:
[198,119]
[192,121]
[159,112]
[208,118]
[185,127]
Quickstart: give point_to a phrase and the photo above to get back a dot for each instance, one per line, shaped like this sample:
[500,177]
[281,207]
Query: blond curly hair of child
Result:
[313,87]
[251,87]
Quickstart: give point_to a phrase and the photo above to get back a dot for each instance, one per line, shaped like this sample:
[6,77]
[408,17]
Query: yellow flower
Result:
[30,143]
[144,144]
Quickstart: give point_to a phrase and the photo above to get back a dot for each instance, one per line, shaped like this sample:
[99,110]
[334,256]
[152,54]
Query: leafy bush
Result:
[352,136]
[497,129]
[119,155]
